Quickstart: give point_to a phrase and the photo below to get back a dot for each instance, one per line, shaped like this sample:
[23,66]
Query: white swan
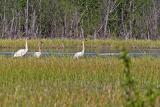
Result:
[39,53]
[21,52]
[79,54]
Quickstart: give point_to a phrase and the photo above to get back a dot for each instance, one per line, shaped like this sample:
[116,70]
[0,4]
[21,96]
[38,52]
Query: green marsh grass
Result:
[52,81]
[53,44]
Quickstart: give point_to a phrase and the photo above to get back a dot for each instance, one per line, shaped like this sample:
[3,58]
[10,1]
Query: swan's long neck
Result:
[83,47]
[39,46]
[26,45]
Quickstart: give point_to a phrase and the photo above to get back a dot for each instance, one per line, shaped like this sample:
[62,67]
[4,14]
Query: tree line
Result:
[124,19]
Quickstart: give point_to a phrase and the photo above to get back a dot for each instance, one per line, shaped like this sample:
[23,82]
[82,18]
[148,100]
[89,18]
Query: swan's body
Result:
[21,52]
[79,54]
[39,53]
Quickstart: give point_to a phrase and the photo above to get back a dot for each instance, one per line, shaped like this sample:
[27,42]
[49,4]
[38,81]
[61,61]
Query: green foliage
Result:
[126,16]
[21,4]
[128,81]
[89,13]
[133,97]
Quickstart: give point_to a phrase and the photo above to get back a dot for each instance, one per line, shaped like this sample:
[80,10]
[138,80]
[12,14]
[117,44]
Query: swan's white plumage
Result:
[79,54]
[39,53]
[21,52]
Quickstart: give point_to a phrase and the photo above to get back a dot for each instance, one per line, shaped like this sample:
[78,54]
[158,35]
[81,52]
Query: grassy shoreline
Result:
[69,43]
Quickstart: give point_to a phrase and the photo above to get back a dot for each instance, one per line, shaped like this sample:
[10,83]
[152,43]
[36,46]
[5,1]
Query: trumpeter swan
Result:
[79,54]
[39,53]
[21,52]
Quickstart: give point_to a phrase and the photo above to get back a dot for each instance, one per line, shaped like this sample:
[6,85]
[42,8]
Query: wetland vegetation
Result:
[63,81]
[55,44]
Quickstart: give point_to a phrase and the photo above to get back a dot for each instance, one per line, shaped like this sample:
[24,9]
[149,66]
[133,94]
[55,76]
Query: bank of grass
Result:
[70,43]
[66,82]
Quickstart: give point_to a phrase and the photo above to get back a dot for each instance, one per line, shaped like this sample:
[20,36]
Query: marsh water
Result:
[89,52]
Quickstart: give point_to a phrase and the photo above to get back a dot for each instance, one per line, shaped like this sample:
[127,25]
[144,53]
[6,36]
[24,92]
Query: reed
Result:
[53,44]
[52,81]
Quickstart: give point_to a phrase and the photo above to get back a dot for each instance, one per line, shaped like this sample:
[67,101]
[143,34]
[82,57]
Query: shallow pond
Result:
[89,52]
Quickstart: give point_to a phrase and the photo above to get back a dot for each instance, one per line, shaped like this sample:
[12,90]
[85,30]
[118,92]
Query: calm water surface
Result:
[89,52]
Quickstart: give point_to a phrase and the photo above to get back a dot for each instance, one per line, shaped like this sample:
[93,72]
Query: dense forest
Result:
[124,19]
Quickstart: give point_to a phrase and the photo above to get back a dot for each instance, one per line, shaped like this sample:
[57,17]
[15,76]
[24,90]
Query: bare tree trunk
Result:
[96,32]
[11,28]
[55,29]
[40,19]
[95,35]
[110,7]
[76,22]
[16,25]
[4,24]
[82,33]
[131,19]
[147,28]
[152,22]
[34,17]
[26,24]
[106,18]
[122,27]
[155,20]
[71,28]
[65,27]
[19,35]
